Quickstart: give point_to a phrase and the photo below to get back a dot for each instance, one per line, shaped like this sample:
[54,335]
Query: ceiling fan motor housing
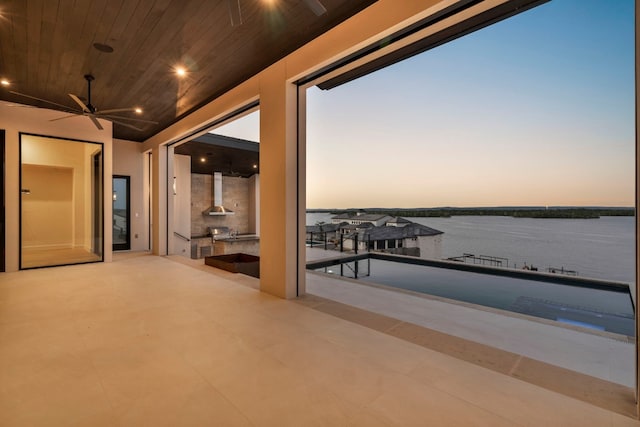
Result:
[89,78]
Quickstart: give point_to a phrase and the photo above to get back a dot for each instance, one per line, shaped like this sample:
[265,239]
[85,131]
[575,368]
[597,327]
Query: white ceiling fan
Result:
[89,110]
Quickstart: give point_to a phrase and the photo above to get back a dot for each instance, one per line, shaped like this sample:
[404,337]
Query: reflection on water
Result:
[602,309]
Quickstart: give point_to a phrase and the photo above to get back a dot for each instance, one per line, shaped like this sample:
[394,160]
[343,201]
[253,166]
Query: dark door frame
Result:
[127,245]
[98,203]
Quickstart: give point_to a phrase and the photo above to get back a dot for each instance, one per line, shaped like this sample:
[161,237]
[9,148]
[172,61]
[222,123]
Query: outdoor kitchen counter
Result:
[201,246]
[247,244]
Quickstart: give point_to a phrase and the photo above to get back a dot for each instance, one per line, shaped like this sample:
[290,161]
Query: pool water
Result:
[592,307]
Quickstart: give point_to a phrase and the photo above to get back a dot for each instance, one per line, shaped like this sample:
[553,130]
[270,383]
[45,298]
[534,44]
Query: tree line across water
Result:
[517,212]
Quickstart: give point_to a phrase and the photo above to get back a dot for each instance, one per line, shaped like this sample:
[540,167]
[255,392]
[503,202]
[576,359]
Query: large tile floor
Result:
[38,257]
[151,341]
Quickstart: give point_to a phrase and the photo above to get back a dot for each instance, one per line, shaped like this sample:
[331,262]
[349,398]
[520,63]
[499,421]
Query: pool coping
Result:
[576,328]
[577,281]
[599,284]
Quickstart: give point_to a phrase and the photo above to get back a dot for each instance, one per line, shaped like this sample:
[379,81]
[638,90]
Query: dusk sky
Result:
[535,110]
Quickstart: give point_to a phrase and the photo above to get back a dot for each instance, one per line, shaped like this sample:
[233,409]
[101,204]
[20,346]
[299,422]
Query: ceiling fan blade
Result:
[9,104]
[235,14]
[316,7]
[95,121]
[115,110]
[127,125]
[68,116]
[109,116]
[41,100]
[80,103]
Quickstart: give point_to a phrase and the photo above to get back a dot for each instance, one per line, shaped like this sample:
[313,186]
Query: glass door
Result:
[121,213]
[61,202]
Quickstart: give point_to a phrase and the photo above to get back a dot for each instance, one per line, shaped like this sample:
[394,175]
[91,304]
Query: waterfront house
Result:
[396,235]
[379,233]
[398,221]
[324,232]
[359,217]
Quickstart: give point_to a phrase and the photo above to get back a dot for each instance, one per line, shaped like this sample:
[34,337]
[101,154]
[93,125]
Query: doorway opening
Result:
[62,203]
[214,188]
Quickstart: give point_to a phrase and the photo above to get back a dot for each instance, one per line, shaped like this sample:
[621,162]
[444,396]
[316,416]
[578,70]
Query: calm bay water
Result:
[601,248]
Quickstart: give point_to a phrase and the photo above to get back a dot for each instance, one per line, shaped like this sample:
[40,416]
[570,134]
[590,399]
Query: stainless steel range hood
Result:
[217,208]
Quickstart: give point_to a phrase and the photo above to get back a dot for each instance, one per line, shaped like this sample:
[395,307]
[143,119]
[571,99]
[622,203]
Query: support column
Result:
[637,55]
[637,48]
[170,212]
[159,200]
[279,234]
[107,199]
[12,200]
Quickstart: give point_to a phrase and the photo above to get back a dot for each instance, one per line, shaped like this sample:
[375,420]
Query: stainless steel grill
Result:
[218,233]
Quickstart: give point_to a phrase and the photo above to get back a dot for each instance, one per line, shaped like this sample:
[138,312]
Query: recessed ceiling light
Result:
[180,71]
[103,47]
[138,110]
[255,166]
[203,159]
[4,82]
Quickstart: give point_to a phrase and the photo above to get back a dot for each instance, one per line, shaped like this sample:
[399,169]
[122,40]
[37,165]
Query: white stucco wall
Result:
[128,160]
[254,204]
[430,246]
[181,202]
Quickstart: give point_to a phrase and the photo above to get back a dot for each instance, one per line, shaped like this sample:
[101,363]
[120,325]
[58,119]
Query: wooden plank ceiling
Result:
[46,46]
[216,153]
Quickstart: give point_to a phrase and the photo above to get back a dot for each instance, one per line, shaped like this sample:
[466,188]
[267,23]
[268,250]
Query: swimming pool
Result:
[588,303]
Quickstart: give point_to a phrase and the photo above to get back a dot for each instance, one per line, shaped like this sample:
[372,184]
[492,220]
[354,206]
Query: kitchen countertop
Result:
[228,239]
[202,236]
[243,243]
[240,237]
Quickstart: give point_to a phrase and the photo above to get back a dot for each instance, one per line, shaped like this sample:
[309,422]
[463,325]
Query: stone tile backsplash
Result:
[235,196]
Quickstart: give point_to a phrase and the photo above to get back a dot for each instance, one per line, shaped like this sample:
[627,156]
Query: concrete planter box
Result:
[236,263]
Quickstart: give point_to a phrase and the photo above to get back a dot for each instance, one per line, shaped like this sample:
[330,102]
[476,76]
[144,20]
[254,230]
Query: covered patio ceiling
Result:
[133,48]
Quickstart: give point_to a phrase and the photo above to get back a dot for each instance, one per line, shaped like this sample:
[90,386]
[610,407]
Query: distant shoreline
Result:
[516,212]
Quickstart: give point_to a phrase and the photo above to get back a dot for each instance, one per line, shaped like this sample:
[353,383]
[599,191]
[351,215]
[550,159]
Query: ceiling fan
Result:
[89,110]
